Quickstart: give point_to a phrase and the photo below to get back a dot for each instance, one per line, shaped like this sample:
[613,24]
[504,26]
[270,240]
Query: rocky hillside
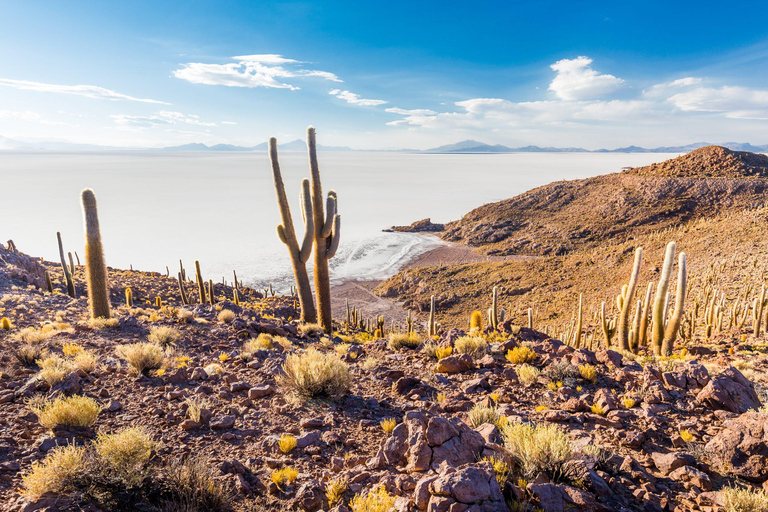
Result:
[563,216]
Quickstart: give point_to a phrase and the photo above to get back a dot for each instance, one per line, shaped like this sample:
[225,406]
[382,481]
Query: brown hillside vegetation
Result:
[564,216]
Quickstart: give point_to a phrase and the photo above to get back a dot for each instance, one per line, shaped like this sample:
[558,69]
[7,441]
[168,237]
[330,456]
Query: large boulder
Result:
[729,391]
[422,442]
[742,446]
[562,498]
[469,487]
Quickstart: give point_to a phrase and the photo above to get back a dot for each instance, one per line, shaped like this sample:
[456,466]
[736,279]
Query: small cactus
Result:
[5,324]
[200,282]
[184,299]
[95,269]
[129,297]
[431,323]
[65,269]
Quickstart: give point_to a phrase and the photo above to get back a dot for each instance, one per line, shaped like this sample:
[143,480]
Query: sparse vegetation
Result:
[287,443]
[57,473]
[226,316]
[537,448]
[409,340]
[521,355]
[125,452]
[163,336]
[475,346]
[143,356]
[314,374]
[388,425]
[28,355]
[588,372]
[75,411]
[528,375]
[480,414]
[375,500]
[741,499]
[284,476]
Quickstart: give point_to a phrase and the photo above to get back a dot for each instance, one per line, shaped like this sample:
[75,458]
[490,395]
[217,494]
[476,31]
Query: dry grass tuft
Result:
[528,375]
[388,425]
[377,500]
[287,443]
[100,323]
[284,476]
[521,355]
[28,355]
[53,369]
[537,448]
[475,346]
[744,500]
[33,336]
[314,374]
[142,356]
[126,453]
[62,466]
[226,316]
[311,329]
[400,340]
[500,469]
[588,372]
[75,411]
[480,414]
[334,491]
[163,336]
[194,487]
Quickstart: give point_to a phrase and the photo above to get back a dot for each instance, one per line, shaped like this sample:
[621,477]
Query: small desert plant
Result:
[480,414]
[226,316]
[537,448]
[99,323]
[527,375]
[377,500]
[125,453]
[71,349]
[628,402]
[287,443]
[686,436]
[475,346]
[186,316]
[500,469]
[744,500]
[334,491]
[311,329]
[28,355]
[314,374]
[588,372]
[143,356]
[194,410]
[287,475]
[442,352]
[476,322]
[62,466]
[75,411]
[400,340]
[388,425]
[262,342]
[194,488]
[163,336]
[599,409]
[33,336]
[53,369]
[521,355]
[5,324]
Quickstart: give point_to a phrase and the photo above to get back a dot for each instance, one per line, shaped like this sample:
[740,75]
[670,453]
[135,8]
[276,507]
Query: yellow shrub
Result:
[5,324]
[541,408]
[287,443]
[521,355]
[142,356]
[588,372]
[377,500]
[71,349]
[744,500]
[441,352]
[85,361]
[527,375]
[62,466]
[480,414]
[440,398]
[284,476]
[125,452]
[100,323]
[314,374]
[475,346]
[495,396]
[226,316]
[75,410]
[686,436]
[401,340]
[388,424]
[311,329]
[53,369]
[28,355]
[334,491]
[500,469]
[599,409]
[629,402]
[163,336]
[33,336]
[537,448]
[262,342]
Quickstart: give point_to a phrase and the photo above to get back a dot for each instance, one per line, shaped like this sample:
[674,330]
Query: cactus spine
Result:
[327,225]
[95,269]
[431,324]
[657,330]
[67,274]
[626,304]
[287,234]
[670,333]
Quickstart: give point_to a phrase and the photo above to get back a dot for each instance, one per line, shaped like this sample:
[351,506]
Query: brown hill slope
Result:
[558,218]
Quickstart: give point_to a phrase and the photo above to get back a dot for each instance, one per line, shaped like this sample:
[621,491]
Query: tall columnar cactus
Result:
[626,304]
[287,234]
[670,332]
[579,323]
[642,336]
[757,313]
[495,316]
[48,283]
[327,224]
[184,299]
[200,282]
[609,329]
[95,269]
[657,329]
[431,323]
[65,269]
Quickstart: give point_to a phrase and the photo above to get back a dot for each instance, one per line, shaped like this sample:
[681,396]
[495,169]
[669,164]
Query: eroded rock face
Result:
[562,498]
[729,391]
[423,442]
[469,487]
[743,446]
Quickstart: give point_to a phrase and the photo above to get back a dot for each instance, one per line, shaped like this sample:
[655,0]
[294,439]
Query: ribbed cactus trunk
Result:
[95,269]
[578,328]
[626,305]
[287,234]
[670,333]
[643,333]
[657,330]
[326,239]
[67,274]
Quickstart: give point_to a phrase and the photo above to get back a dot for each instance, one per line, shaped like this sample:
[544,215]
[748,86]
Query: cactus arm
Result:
[670,334]
[330,212]
[333,244]
[309,223]
[67,275]
[281,234]
[657,331]
[642,339]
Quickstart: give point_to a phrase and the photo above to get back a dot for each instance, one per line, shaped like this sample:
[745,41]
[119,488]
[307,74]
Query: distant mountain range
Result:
[466,146]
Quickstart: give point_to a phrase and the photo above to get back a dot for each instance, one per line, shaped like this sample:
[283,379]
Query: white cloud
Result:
[162,118]
[228,122]
[10,114]
[355,99]
[413,112]
[576,80]
[249,71]
[89,91]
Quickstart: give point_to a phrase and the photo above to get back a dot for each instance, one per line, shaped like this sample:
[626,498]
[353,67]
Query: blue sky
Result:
[385,74]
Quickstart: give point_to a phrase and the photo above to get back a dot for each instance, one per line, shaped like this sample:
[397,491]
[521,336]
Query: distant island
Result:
[464,147]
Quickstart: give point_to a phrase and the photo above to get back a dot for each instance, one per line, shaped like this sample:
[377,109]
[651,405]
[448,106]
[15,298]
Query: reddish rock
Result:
[730,391]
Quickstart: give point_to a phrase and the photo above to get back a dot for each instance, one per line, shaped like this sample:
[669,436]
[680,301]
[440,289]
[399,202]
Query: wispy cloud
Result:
[266,70]
[355,99]
[89,91]
[10,114]
[576,80]
[162,118]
